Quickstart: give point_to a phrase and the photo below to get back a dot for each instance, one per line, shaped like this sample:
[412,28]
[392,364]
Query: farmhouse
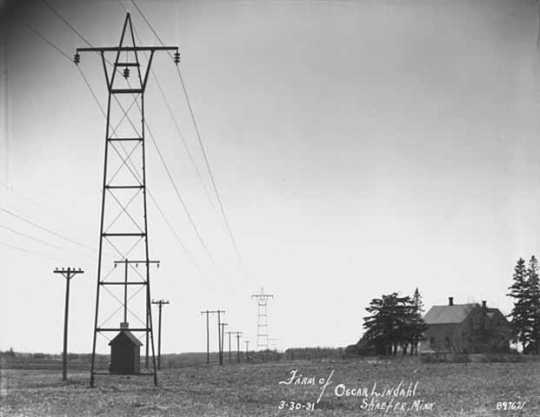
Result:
[466,328]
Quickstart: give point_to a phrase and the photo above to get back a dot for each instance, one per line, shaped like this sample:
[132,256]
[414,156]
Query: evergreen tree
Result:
[417,301]
[393,322]
[533,304]
[520,320]
[417,324]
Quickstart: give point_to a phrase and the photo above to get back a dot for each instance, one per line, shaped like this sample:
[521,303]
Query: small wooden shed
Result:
[125,354]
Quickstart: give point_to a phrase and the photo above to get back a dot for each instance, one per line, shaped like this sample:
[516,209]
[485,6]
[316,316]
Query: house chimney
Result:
[484,305]
[450,301]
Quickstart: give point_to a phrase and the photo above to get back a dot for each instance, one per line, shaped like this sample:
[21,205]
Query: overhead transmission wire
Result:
[24,250]
[46,229]
[174,119]
[201,144]
[103,113]
[27,236]
[132,169]
[172,181]
[160,210]
[175,187]
[168,171]
[52,45]
[182,137]
[11,190]
[63,19]
[48,42]
[161,157]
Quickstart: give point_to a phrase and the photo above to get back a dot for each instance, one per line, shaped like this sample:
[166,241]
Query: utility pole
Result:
[220,344]
[67,273]
[160,304]
[237,334]
[124,172]
[207,313]
[230,333]
[127,264]
[222,325]
[262,318]
[247,349]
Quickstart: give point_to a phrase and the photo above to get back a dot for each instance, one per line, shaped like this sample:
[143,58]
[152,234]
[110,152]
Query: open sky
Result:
[360,148]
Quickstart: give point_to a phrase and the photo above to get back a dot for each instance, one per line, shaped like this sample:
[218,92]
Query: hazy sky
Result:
[360,148]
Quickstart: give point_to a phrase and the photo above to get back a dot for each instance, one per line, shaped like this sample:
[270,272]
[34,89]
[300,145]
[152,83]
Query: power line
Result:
[45,229]
[209,169]
[182,138]
[68,24]
[186,210]
[35,239]
[147,22]
[39,204]
[175,234]
[94,95]
[162,159]
[179,196]
[177,192]
[174,185]
[199,138]
[57,13]
[17,248]
[85,79]
[44,39]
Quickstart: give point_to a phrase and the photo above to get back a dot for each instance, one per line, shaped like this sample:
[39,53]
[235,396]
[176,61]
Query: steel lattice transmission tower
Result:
[124,223]
[262,318]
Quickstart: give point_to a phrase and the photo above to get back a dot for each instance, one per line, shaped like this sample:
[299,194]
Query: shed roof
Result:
[129,335]
[448,314]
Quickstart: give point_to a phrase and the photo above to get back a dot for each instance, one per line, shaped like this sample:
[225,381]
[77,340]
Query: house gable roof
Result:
[125,334]
[448,314]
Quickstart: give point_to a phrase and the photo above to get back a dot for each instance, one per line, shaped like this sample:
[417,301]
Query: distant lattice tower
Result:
[262,318]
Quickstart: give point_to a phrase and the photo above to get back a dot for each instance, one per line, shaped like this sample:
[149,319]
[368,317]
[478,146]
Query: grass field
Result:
[457,389]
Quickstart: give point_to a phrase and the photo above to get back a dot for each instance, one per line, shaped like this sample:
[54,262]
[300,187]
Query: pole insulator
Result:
[126,76]
[77,58]
[177,57]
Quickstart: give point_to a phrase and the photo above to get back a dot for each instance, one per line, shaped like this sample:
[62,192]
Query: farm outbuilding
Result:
[125,353]
[466,328]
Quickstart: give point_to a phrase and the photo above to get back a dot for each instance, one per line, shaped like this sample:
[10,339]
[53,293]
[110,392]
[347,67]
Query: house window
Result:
[432,341]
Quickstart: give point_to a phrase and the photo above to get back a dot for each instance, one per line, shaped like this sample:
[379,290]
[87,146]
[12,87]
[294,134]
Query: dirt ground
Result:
[410,388]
